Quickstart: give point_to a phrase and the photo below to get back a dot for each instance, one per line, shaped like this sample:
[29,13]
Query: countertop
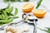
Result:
[42,22]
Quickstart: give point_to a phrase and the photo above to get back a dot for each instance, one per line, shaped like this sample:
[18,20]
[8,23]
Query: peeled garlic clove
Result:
[26,28]
[20,30]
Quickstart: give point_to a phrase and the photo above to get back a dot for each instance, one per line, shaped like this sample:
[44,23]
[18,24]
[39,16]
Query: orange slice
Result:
[28,7]
[39,12]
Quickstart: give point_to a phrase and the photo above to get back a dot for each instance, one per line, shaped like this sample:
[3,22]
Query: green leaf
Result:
[25,0]
[48,28]
[16,11]
[9,10]
[6,16]
[38,4]
[10,14]
[14,17]
[3,16]
[7,6]
[48,31]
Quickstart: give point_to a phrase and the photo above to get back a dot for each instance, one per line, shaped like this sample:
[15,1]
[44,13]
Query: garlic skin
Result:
[11,29]
[9,32]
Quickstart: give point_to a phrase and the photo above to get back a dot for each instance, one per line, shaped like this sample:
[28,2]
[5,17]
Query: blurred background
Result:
[5,2]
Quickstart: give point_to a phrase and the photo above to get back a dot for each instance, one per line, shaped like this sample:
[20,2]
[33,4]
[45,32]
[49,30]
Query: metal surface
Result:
[35,27]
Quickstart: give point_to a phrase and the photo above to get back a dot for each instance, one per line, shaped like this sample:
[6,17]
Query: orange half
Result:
[39,12]
[28,7]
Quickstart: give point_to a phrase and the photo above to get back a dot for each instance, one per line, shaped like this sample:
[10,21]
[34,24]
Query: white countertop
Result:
[42,22]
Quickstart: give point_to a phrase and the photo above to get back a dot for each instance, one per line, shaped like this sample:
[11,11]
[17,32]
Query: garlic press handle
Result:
[35,27]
